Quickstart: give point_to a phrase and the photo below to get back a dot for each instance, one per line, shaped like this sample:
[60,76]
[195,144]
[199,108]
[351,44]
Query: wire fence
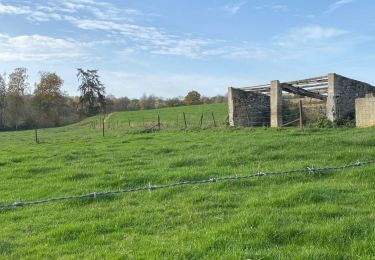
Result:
[311,109]
[93,195]
[182,120]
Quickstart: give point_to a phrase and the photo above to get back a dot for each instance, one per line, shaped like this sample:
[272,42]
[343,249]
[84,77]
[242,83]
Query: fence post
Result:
[177,120]
[185,119]
[201,121]
[103,126]
[300,115]
[129,122]
[158,121]
[36,136]
[213,118]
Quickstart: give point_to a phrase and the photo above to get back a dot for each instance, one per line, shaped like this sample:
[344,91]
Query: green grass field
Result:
[170,118]
[328,215]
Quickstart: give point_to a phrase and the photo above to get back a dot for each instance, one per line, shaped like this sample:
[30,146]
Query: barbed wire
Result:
[310,170]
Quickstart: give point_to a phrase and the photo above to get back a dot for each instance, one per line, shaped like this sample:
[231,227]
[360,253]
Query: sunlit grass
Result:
[317,216]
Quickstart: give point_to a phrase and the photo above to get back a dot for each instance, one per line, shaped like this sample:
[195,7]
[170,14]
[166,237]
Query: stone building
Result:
[263,105]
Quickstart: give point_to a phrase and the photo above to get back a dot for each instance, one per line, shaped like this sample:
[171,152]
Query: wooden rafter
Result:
[300,91]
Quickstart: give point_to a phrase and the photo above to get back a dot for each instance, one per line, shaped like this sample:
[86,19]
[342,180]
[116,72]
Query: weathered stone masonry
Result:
[365,111]
[262,105]
[248,108]
[342,93]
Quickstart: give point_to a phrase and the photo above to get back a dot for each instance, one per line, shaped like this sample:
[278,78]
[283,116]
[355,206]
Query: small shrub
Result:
[322,122]
[345,122]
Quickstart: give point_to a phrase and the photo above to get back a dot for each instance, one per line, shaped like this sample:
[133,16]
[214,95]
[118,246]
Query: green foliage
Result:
[48,100]
[328,215]
[322,122]
[92,91]
[192,98]
[346,121]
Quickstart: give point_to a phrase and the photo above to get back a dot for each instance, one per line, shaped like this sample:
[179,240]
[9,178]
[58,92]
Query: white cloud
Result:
[245,52]
[308,34]
[136,38]
[110,19]
[10,9]
[338,4]
[233,8]
[59,10]
[37,48]
[149,38]
[273,7]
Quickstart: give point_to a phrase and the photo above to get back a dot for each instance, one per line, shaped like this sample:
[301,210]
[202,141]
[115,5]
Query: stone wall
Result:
[365,111]
[276,94]
[342,93]
[248,108]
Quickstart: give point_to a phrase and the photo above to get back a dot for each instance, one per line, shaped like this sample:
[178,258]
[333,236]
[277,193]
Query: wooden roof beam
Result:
[300,91]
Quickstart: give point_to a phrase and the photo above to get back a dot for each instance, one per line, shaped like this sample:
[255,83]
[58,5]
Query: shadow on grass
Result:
[3,164]
[6,248]
[78,176]
[41,170]
[187,162]
[89,201]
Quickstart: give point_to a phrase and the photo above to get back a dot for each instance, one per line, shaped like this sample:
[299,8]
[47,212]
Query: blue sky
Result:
[167,48]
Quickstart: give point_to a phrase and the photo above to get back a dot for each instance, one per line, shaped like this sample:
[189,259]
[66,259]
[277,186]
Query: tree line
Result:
[47,105]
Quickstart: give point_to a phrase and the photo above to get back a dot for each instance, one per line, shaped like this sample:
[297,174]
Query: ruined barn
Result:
[275,104]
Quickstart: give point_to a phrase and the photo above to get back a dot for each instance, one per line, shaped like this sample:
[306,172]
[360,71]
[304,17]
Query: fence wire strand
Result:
[309,170]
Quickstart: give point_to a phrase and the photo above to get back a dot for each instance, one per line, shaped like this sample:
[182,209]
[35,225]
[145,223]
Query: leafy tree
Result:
[48,99]
[3,92]
[92,97]
[192,98]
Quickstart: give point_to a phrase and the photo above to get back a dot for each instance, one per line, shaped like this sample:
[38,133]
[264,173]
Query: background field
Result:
[316,216]
[170,118]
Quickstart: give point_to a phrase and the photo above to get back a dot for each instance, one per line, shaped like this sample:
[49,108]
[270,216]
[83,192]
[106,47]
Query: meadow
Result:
[326,215]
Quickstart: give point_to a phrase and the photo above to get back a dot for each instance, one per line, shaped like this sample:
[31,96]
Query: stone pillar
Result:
[331,98]
[276,104]
[230,106]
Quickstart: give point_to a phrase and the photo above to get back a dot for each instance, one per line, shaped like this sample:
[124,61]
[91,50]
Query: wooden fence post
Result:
[201,121]
[185,119]
[103,126]
[213,118]
[158,121]
[36,136]
[300,115]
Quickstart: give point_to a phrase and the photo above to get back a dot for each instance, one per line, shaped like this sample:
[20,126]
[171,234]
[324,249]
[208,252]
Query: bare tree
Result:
[3,92]
[17,85]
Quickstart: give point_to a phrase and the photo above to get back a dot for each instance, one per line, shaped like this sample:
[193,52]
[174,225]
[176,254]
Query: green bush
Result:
[322,122]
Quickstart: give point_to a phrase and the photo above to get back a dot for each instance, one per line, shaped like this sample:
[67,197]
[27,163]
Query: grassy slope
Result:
[327,215]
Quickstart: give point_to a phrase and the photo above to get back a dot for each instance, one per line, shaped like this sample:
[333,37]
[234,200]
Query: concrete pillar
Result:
[331,98]
[276,104]
[230,106]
